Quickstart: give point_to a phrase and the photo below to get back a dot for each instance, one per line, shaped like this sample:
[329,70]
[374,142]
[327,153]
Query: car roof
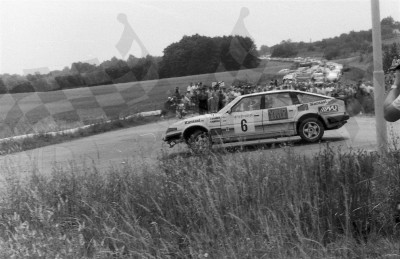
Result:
[285,91]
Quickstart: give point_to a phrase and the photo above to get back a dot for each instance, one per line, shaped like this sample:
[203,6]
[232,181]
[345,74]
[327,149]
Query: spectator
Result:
[369,88]
[329,90]
[169,106]
[321,90]
[272,82]
[221,99]
[213,101]
[392,101]
[190,87]
[195,100]
[237,93]
[177,95]
[203,102]
[395,62]
[187,100]
[231,95]
[265,88]
[313,89]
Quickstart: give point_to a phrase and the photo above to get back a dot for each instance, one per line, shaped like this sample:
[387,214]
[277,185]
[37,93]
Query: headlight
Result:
[171,129]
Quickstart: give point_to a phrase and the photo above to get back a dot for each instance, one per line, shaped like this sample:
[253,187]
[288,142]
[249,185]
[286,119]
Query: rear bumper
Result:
[338,118]
[337,121]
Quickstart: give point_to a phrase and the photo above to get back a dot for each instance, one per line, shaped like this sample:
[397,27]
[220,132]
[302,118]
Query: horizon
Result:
[38,37]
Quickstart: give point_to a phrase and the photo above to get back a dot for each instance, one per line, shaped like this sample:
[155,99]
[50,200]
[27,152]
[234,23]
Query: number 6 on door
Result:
[244,123]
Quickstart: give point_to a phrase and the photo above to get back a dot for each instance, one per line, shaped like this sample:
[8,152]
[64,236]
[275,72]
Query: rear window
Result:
[308,98]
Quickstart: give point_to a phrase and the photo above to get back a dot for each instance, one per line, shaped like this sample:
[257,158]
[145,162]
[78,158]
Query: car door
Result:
[279,114]
[244,120]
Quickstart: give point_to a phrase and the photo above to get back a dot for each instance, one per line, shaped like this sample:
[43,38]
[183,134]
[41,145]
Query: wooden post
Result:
[379,82]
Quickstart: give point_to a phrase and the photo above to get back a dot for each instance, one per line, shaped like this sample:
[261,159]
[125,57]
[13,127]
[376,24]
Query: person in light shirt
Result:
[391,106]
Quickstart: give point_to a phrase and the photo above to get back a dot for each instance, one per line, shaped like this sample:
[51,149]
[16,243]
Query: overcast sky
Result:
[53,34]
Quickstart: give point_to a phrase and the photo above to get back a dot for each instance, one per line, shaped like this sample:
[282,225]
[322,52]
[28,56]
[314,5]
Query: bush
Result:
[331,53]
[23,87]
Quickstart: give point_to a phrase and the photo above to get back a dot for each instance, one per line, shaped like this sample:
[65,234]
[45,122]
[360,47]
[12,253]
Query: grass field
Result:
[48,111]
[238,205]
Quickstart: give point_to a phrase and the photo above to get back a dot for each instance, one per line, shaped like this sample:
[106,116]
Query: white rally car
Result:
[262,115]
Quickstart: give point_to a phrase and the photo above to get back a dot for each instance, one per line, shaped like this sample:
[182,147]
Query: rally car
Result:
[262,115]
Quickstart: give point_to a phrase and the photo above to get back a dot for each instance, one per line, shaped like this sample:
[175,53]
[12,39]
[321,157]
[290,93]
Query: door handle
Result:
[256,115]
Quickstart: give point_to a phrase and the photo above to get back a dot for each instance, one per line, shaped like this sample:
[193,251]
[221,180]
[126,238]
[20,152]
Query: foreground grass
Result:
[333,205]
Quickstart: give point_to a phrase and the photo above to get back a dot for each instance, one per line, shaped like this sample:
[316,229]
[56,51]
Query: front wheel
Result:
[311,130]
[199,142]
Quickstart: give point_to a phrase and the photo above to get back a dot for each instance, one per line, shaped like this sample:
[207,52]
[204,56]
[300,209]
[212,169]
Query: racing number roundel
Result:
[244,123]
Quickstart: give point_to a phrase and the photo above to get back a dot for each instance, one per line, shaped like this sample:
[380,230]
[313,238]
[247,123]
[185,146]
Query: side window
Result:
[308,98]
[295,100]
[248,104]
[277,100]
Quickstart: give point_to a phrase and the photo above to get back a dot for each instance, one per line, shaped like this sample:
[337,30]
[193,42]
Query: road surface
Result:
[143,144]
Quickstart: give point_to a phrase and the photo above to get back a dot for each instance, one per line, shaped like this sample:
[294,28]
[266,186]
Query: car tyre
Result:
[311,130]
[199,142]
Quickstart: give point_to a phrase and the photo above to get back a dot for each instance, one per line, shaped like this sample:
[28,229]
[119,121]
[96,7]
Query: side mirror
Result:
[229,111]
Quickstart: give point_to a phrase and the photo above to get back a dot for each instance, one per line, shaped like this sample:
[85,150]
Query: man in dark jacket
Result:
[203,101]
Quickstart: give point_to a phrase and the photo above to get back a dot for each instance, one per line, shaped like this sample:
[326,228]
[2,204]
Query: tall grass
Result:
[241,205]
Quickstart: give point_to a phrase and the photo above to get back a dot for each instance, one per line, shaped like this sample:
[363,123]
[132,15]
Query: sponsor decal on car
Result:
[327,109]
[332,101]
[216,119]
[302,107]
[278,114]
[241,116]
[192,121]
[318,102]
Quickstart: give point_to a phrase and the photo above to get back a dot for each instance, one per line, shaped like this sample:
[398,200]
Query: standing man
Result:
[203,102]
[177,95]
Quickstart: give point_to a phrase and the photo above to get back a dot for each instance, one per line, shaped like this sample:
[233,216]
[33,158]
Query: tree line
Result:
[347,44]
[192,55]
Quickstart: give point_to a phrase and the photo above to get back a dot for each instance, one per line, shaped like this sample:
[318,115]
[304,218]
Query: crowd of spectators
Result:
[202,99]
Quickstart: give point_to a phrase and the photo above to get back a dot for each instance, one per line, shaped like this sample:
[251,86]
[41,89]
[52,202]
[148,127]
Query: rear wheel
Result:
[199,142]
[311,130]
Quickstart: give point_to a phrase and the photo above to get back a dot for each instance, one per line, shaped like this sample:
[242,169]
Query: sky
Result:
[40,35]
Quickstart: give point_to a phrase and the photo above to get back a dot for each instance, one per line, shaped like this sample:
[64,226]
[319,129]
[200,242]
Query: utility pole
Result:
[379,82]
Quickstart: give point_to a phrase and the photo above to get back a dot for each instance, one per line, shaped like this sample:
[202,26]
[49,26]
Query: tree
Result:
[388,21]
[3,88]
[389,52]
[144,68]
[331,53]
[79,67]
[264,49]
[199,55]
[285,49]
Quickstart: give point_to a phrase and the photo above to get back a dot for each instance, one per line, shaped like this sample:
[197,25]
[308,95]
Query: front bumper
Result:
[173,138]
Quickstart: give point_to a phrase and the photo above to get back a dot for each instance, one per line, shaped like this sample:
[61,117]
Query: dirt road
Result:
[143,143]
